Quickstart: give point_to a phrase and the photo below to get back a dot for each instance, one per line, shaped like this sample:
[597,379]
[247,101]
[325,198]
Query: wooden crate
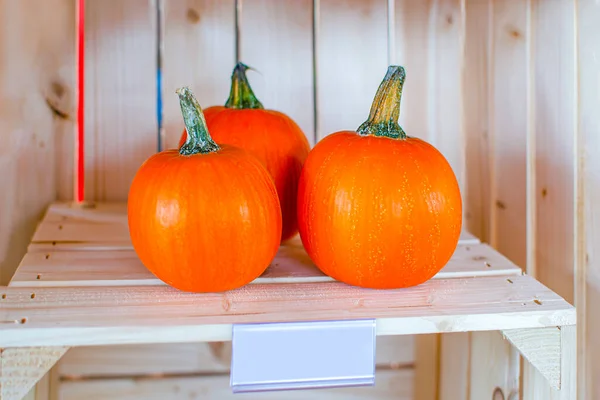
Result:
[507,90]
[81,284]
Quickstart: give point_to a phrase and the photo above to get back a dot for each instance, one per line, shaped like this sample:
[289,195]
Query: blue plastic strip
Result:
[159,94]
[302,355]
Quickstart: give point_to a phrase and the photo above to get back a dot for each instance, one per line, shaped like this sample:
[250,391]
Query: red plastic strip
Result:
[79,140]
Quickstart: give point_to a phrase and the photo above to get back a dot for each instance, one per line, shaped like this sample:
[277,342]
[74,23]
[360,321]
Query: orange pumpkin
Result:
[206,217]
[273,137]
[377,208]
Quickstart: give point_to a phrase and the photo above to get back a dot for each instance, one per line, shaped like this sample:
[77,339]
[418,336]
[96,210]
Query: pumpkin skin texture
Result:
[271,136]
[204,221]
[378,209]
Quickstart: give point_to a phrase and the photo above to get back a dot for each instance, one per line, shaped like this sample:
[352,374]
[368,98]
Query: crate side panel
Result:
[37,114]
[390,384]
[199,52]
[120,94]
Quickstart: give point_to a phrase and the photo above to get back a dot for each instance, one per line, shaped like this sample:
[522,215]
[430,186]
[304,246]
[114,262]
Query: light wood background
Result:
[507,90]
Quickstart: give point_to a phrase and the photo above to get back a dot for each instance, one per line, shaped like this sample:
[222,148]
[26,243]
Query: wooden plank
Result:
[21,368]
[587,272]
[411,41]
[455,362]
[190,358]
[36,115]
[158,314]
[276,40]
[555,100]
[495,44]
[291,264]
[120,98]
[427,367]
[104,227]
[139,360]
[491,367]
[445,62]
[553,60]
[508,128]
[199,43]
[476,114]
[352,61]
[390,384]
[458,115]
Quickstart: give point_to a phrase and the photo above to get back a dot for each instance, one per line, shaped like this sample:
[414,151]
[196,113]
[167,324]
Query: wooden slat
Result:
[508,127]
[444,92]
[199,44]
[36,118]
[457,110]
[104,227]
[276,39]
[191,358]
[490,356]
[552,29]
[390,384]
[352,61]
[555,123]
[496,118]
[454,366]
[120,97]
[291,264]
[476,114]
[587,272]
[427,367]
[144,359]
[158,314]
[412,41]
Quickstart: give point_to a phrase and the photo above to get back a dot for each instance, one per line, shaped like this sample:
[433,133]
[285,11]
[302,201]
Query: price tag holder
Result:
[302,355]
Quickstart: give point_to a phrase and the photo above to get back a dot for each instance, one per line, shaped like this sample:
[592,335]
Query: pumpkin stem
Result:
[198,139]
[385,110]
[241,94]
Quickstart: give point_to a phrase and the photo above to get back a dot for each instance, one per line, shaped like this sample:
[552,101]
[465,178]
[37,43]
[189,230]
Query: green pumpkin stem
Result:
[198,139]
[241,95]
[385,110]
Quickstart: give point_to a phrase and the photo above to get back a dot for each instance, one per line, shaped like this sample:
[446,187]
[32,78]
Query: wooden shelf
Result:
[82,284]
